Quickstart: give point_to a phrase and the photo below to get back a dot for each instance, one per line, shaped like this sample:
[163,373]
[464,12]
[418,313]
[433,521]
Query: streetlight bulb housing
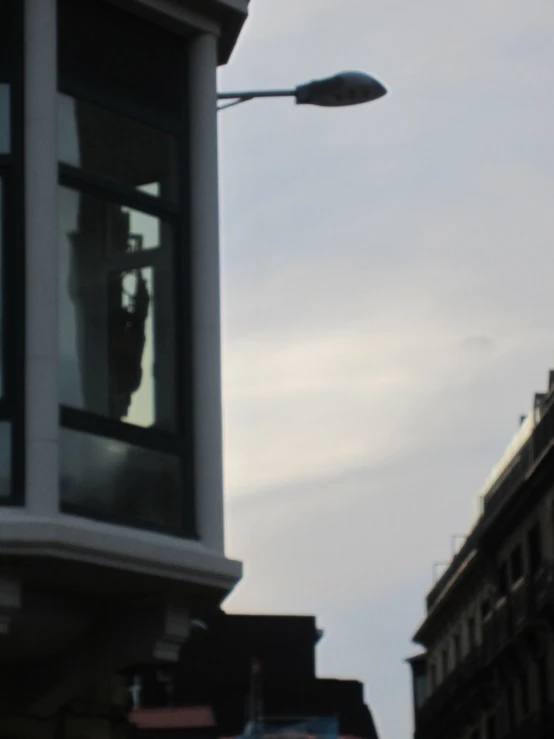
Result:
[346,88]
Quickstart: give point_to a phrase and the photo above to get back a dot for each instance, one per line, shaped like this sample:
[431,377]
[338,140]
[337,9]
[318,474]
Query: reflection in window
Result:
[5,460]
[106,143]
[5,133]
[131,330]
[116,325]
[120,481]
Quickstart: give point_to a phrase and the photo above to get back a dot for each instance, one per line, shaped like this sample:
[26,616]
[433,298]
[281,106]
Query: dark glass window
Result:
[5,460]
[2,275]
[503,579]
[491,728]
[5,115]
[471,633]
[113,56]
[516,563]
[99,141]
[457,648]
[6,38]
[433,677]
[12,375]
[544,682]
[7,33]
[421,689]
[125,391]
[5,353]
[524,692]
[444,663]
[116,311]
[114,479]
[534,545]
[485,606]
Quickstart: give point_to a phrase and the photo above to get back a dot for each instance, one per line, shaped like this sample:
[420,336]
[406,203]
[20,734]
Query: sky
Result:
[387,306]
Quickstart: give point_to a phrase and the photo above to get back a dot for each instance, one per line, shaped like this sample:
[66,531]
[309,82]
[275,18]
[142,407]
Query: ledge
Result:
[114,549]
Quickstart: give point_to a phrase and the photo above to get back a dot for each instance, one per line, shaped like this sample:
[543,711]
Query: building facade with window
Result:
[111,502]
[487,670]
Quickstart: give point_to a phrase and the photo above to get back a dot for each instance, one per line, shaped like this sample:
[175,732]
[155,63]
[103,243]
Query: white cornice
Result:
[76,539]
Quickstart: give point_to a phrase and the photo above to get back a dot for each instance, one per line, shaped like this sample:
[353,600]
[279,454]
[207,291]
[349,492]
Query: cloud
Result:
[479,344]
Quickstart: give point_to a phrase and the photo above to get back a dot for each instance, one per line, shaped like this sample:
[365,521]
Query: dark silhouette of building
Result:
[215,674]
[488,667]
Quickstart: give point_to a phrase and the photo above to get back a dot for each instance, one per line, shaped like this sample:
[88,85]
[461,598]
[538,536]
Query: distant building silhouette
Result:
[487,671]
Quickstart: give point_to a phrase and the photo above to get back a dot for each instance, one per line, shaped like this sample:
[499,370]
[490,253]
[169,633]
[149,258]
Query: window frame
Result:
[177,213]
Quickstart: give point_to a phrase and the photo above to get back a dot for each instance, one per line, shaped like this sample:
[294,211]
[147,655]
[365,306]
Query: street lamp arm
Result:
[243,97]
[256,94]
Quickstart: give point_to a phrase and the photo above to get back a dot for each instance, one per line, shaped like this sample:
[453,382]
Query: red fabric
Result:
[193,717]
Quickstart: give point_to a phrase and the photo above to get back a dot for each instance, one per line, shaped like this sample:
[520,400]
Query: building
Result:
[240,668]
[488,667]
[111,517]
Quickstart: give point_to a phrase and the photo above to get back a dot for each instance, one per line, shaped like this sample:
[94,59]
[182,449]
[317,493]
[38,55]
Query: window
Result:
[5,460]
[116,311]
[108,144]
[516,564]
[544,683]
[123,279]
[6,68]
[534,546]
[485,607]
[524,692]
[5,123]
[457,649]
[11,256]
[471,633]
[433,677]
[490,732]
[503,579]
[118,479]
[444,663]
[421,689]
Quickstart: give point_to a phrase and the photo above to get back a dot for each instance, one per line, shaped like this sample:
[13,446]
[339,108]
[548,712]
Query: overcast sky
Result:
[387,303]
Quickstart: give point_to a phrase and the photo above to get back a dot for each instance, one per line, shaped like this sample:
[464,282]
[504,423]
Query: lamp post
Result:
[341,90]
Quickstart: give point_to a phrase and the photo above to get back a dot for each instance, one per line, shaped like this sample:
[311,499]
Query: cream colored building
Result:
[487,670]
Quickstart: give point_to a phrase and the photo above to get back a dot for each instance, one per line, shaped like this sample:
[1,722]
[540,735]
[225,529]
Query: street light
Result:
[346,88]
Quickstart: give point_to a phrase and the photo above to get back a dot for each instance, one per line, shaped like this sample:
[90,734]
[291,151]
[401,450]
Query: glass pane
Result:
[7,38]
[117,344]
[5,133]
[5,460]
[1,286]
[105,143]
[112,53]
[120,481]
